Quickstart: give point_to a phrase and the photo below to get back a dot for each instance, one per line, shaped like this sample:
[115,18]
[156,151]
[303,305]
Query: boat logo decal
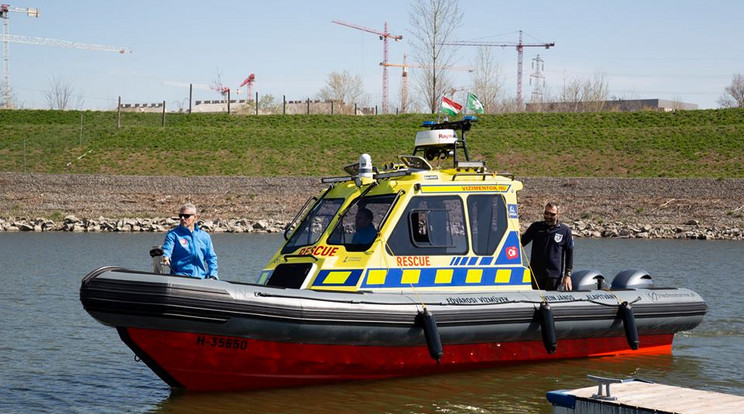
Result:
[510,253]
[512,210]
[558,237]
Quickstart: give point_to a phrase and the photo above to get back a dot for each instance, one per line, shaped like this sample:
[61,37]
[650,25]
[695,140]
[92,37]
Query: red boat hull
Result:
[220,363]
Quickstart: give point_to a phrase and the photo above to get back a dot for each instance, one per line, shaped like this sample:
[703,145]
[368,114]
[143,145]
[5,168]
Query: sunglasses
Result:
[185,216]
[549,214]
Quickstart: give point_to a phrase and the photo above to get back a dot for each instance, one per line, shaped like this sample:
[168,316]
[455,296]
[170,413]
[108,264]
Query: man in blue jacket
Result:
[188,249]
[551,259]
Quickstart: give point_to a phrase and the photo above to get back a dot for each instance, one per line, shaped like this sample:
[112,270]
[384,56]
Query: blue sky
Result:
[683,50]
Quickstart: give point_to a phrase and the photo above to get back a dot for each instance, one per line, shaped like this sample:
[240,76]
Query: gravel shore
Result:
[593,207]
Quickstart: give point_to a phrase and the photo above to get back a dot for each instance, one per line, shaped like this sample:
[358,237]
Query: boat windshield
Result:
[314,224]
[358,228]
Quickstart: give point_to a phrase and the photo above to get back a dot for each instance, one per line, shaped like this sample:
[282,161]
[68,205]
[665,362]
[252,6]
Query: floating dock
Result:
[632,396]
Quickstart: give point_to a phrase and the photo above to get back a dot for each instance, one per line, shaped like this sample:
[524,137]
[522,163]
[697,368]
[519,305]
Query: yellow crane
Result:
[404,78]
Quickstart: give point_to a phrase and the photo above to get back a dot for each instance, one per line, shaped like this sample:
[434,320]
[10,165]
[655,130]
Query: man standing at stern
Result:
[551,259]
[188,249]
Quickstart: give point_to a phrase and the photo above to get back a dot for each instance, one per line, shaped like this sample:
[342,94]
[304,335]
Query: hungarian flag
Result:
[474,104]
[450,107]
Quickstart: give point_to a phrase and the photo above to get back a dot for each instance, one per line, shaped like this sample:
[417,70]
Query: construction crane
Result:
[520,51]
[5,10]
[248,81]
[404,79]
[384,36]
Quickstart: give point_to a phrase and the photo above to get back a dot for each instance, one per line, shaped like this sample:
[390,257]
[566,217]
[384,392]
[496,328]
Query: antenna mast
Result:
[537,90]
[520,51]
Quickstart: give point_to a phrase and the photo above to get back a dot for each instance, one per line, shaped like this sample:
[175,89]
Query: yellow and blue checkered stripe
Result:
[462,271]
[446,277]
[465,276]
[340,278]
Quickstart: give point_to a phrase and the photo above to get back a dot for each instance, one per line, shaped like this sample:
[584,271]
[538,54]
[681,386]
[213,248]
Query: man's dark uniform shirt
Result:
[552,249]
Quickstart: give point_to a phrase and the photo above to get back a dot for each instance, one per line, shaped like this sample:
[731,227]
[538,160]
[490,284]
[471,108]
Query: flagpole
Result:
[439,114]
[465,112]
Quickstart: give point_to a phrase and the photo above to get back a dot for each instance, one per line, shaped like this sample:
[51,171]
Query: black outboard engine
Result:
[632,279]
[157,261]
[588,280]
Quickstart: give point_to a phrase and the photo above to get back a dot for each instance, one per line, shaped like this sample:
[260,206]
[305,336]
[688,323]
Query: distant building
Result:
[629,105]
[236,106]
[142,107]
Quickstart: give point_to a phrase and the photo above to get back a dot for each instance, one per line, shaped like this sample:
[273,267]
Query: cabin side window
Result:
[314,224]
[488,222]
[433,225]
[358,228]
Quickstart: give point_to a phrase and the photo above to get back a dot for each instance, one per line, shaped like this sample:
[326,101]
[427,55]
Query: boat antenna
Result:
[462,125]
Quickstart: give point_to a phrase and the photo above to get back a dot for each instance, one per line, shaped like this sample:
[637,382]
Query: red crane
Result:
[384,36]
[249,81]
[520,50]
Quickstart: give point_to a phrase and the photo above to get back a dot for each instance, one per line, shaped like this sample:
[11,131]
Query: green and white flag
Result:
[474,104]
[450,107]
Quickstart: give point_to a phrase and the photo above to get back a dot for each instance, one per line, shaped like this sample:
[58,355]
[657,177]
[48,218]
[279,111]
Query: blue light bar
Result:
[428,123]
[471,118]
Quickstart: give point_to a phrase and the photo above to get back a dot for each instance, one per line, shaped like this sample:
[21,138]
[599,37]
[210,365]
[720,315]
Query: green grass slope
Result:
[707,143]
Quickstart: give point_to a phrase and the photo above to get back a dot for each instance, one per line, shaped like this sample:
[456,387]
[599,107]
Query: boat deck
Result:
[640,397]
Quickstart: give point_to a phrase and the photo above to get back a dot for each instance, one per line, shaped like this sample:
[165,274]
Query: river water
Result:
[54,358]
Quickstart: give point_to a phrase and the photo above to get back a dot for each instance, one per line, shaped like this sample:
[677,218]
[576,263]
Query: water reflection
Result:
[56,358]
[517,388]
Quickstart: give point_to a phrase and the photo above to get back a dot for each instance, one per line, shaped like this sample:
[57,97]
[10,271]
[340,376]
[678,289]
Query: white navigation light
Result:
[365,166]
[436,137]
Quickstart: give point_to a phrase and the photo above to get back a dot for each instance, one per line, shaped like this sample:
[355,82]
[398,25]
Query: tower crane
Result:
[384,36]
[5,10]
[249,81]
[520,51]
[404,79]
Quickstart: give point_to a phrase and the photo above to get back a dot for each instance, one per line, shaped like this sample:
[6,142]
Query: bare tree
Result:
[344,89]
[7,99]
[584,95]
[506,104]
[60,94]
[734,96]
[487,80]
[433,23]
[218,85]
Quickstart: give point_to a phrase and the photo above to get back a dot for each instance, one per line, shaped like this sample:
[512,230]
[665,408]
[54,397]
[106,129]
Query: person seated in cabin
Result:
[188,249]
[365,229]
[551,259]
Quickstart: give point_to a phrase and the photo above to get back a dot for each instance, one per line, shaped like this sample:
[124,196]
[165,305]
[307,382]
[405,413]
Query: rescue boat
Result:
[438,283]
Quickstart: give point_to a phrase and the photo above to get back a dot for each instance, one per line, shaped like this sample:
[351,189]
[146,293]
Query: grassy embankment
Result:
[706,143]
